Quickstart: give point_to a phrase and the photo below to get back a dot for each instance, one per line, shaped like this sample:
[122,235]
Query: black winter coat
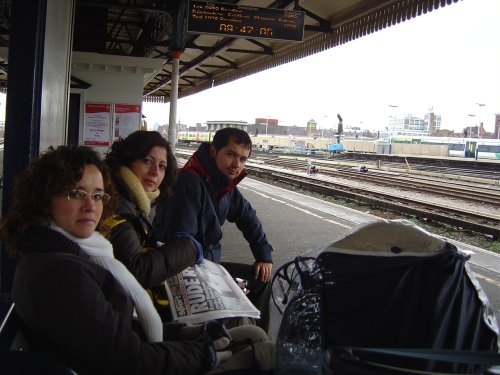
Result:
[134,244]
[77,313]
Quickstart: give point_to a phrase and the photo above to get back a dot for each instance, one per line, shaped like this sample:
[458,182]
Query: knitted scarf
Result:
[100,251]
[143,198]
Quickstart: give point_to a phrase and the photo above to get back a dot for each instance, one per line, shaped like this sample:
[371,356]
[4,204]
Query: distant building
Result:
[312,128]
[432,122]
[163,130]
[217,125]
[265,126]
[413,126]
[269,126]
[198,128]
[181,127]
[297,131]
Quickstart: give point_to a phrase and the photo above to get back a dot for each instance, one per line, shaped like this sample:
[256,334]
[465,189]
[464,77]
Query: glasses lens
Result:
[77,194]
[83,195]
[100,197]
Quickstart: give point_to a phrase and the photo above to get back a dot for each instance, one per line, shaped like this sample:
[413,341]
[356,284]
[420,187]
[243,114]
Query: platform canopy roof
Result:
[149,28]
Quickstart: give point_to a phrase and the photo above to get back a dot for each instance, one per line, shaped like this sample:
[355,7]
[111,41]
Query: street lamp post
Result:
[470,132]
[325,117]
[266,123]
[393,107]
[480,118]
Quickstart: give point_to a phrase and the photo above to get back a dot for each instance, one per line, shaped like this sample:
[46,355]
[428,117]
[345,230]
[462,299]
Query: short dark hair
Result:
[137,145]
[222,137]
[49,174]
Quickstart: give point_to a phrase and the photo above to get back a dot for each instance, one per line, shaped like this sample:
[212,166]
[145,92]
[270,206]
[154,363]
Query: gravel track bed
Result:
[458,234]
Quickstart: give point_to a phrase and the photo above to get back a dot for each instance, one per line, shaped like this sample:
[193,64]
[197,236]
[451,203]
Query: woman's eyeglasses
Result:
[82,195]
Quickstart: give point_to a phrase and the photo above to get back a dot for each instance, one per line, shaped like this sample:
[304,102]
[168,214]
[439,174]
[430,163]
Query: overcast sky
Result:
[447,60]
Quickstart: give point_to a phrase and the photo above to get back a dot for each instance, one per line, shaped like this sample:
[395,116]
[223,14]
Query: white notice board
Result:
[97,124]
[127,119]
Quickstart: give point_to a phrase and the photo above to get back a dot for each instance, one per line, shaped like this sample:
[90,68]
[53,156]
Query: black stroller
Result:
[387,298]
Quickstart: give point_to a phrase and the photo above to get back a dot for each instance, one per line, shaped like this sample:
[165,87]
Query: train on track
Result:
[194,137]
[433,146]
[464,147]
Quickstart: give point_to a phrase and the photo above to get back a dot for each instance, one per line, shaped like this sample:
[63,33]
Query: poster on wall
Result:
[127,119]
[97,124]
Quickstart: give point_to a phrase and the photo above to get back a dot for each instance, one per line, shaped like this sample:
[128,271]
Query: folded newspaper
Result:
[205,292]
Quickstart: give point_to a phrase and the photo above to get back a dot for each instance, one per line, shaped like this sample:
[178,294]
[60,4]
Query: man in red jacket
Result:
[205,195]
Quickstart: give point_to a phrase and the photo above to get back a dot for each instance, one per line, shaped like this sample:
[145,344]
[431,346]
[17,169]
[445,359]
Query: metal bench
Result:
[15,356]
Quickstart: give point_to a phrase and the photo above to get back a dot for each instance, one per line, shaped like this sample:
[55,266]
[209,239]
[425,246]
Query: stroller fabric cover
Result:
[388,284]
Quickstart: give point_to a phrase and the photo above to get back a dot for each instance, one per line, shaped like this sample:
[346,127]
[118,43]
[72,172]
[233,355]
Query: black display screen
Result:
[245,21]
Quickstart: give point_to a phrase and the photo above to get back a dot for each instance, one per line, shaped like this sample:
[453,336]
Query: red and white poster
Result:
[127,119]
[97,124]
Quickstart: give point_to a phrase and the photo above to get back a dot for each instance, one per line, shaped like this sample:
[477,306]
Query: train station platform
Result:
[296,224]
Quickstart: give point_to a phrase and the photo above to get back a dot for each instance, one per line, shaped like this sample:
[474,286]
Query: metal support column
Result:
[172,124]
[37,94]
[22,125]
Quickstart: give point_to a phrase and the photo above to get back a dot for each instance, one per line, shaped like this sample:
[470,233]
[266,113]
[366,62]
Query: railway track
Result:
[485,177]
[425,184]
[440,167]
[290,171]
[480,222]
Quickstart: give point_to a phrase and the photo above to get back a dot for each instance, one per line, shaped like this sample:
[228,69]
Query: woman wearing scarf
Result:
[143,168]
[75,300]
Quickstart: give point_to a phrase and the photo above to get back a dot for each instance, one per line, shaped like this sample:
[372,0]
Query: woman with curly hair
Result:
[75,300]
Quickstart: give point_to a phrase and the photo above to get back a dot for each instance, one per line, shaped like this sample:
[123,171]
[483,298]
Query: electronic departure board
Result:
[245,21]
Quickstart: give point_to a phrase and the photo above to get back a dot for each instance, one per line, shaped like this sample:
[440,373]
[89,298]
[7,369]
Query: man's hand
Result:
[222,350]
[263,271]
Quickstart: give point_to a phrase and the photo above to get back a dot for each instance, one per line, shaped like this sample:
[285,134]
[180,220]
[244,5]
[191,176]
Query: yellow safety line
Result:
[409,168]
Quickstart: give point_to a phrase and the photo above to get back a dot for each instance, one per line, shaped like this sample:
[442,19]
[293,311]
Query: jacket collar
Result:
[45,240]
[201,163]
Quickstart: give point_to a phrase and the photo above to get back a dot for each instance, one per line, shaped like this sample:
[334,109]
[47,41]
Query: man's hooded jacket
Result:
[202,200]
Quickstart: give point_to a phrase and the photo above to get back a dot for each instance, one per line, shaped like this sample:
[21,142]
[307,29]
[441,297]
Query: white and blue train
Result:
[464,147]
